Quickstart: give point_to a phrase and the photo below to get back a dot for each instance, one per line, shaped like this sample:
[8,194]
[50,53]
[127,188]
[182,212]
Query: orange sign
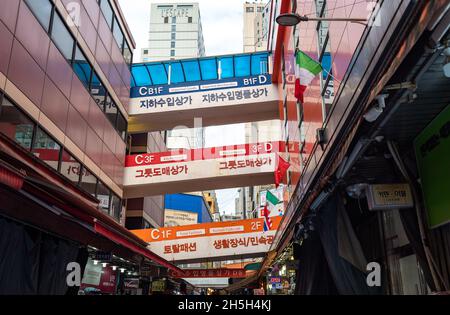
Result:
[205,229]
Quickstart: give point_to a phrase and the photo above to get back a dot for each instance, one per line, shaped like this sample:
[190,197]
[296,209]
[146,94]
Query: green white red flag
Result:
[306,69]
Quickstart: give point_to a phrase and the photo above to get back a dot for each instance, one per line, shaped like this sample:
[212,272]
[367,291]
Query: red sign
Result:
[174,156]
[209,273]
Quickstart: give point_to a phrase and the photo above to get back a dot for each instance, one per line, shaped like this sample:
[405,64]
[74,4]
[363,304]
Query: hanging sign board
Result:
[389,196]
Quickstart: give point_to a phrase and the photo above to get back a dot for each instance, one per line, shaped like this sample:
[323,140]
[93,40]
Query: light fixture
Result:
[291,19]
[104,264]
[122,270]
[114,268]
[95,262]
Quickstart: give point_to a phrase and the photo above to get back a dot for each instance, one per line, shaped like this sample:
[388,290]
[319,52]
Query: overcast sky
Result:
[222,23]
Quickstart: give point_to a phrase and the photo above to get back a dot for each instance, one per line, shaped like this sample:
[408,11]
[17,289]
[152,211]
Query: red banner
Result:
[209,273]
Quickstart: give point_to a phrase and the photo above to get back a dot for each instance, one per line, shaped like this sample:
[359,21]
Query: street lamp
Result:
[291,19]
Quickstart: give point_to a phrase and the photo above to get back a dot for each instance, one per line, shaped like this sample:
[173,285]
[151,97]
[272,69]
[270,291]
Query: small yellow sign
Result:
[389,196]
[158,286]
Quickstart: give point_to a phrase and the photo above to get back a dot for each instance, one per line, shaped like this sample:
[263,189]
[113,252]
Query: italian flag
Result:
[306,70]
[271,202]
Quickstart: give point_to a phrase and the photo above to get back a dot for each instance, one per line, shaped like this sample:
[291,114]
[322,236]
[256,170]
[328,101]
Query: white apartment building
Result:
[175,32]
[256,25]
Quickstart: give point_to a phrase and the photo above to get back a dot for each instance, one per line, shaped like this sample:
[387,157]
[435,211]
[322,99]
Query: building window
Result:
[122,126]
[70,167]
[127,53]
[116,207]
[98,91]
[145,51]
[172,44]
[111,110]
[62,38]
[46,149]
[172,53]
[16,125]
[190,19]
[82,68]
[174,28]
[118,34]
[108,12]
[88,182]
[173,36]
[174,20]
[250,9]
[104,196]
[42,9]
[166,20]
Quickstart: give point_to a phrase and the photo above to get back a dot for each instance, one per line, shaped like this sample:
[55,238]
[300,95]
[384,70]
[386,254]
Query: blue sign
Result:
[200,86]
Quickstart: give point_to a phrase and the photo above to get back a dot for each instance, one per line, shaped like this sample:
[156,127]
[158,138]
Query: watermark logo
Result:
[373,279]
[74,10]
[73,278]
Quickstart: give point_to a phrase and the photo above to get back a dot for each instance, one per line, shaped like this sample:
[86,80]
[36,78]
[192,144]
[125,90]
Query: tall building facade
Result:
[175,32]
[256,26]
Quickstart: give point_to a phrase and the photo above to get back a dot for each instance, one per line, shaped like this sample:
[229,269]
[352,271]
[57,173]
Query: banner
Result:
[210,240]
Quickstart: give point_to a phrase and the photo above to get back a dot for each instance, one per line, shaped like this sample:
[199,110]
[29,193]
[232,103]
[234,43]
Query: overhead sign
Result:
[210,240]
[244,99]
[199,164]
[179,218]
[432,148]
[389,196]
[209,273]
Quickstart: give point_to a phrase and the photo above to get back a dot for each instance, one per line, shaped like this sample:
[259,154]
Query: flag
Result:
[281,170]
[272,202]
[305,71]
[271,198]
[267,220]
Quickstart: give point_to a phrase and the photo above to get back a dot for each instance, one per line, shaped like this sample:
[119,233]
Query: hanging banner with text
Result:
[201,164]
[212,93]
[227,240]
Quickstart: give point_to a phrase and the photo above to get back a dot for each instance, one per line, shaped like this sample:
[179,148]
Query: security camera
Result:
[375,112]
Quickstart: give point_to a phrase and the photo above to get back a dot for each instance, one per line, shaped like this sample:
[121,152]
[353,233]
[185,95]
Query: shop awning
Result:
[66,205]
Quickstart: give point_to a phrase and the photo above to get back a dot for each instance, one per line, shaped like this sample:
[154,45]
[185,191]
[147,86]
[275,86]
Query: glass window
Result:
[174,28]
[172,44]
[116,207]
[172,53]
[88,181]
[108,12]
[250,9]
[62,38]
[98,91]
[82,68]
[173,36]
[166,20]
[70,167]
[174,19]
[104,196]
[42,9]
[127,54]
[46,149]
[118,35]
[16,125]
[189,19]
[122,126]
[111,110]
